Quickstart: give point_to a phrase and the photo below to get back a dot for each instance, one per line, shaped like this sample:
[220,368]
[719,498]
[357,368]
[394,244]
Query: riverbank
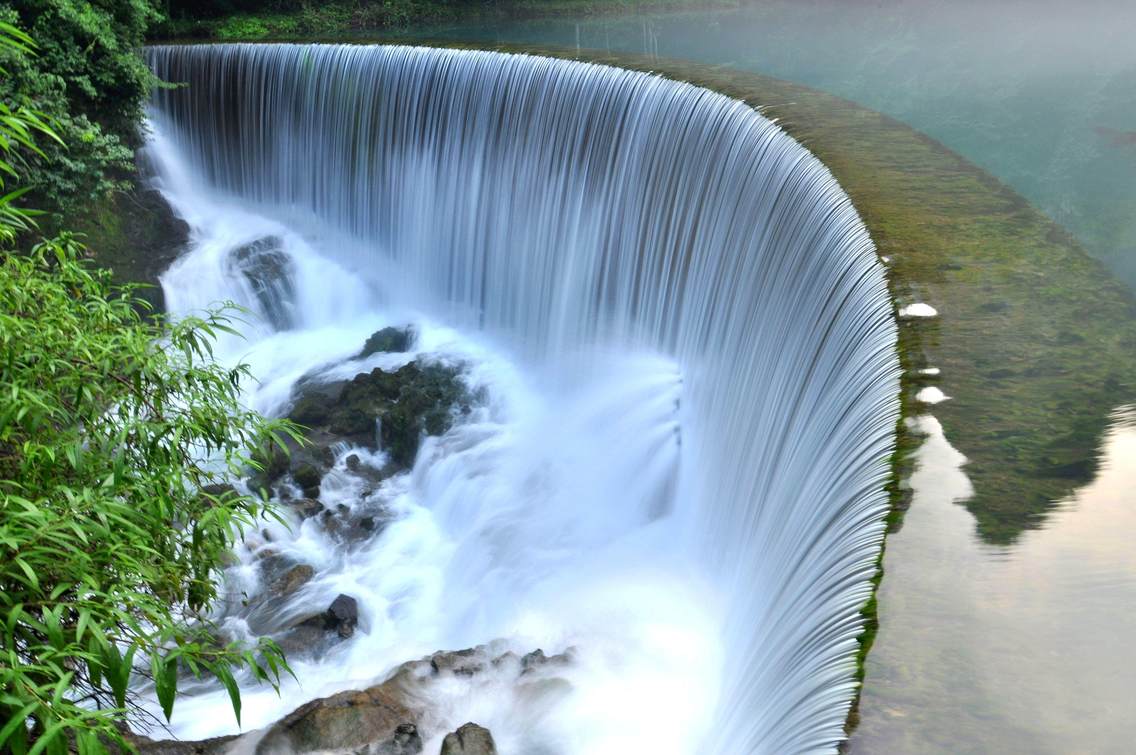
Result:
[344,17]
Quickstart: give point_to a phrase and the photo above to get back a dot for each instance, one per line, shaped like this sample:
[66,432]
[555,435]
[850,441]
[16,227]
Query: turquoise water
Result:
[1041,95]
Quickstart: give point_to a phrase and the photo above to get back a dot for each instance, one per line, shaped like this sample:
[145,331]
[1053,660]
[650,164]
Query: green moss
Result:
[134,234]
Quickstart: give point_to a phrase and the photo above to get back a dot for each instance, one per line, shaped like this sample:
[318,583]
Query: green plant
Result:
[111,533]
[115,436]
[87,76]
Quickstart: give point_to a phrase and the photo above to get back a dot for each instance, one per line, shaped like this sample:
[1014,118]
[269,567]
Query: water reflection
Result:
[1025,649]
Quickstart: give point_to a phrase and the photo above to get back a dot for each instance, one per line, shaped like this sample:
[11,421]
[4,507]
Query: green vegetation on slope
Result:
[89,79]
[259,20]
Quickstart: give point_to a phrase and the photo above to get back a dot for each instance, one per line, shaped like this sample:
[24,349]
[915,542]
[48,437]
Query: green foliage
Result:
[110,532]
[18,127]
[88,78]
[114,434]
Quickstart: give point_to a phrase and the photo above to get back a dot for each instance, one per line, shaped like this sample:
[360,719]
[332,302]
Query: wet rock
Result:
[374,720]
[306,508]
[406,741]
[305,463]
[354,526]
[469,739]
[312,409]
[342,616]
[459,662]
[308,477]
[383,719]
[269,272]
[306,638]
[538,660]
[292,580]
[388,339]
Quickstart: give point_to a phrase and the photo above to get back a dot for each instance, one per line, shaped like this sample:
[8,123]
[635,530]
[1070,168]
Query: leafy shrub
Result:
[110,534]
[89,78]
[114,432]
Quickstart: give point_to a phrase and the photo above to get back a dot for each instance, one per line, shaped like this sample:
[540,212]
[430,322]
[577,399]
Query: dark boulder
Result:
[269,272]
[342,616]
[469,739]
[308,477]
[395,340]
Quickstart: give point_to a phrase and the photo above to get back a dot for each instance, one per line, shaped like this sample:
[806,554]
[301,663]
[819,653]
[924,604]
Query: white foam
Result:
[931,395]
[918,310]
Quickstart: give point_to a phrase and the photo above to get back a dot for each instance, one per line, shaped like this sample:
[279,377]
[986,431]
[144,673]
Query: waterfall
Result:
[572,215]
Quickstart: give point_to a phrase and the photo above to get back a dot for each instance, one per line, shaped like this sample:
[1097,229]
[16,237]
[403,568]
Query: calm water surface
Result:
[988,650]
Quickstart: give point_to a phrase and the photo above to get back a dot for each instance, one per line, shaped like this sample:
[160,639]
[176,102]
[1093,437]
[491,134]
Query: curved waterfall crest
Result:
[558,205]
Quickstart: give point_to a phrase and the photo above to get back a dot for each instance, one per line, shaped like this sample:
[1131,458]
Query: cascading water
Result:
[688,351]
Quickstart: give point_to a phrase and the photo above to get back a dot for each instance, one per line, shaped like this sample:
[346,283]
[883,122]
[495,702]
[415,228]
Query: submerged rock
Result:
[469,739]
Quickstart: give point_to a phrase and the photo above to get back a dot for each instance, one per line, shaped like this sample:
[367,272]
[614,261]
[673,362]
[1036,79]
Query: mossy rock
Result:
[391,340]
[402,405]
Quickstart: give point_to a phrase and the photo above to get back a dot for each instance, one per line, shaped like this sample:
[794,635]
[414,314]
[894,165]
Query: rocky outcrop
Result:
[374,720]
[385,719]
[394,408]
[469,739]
[270,274]
[391,409]
[137,235]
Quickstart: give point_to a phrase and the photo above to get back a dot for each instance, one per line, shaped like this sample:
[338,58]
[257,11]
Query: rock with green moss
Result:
[394,340]
[388,409]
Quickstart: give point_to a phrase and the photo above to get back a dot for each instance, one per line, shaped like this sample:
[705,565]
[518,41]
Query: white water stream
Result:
[686,348]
